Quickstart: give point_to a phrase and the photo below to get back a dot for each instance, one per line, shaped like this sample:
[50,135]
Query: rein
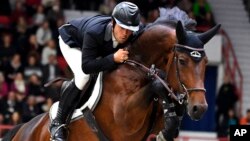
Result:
[152,72]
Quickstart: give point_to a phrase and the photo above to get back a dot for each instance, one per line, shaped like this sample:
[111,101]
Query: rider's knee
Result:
[81,80]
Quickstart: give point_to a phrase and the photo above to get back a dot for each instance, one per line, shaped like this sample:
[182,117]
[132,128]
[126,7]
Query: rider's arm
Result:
[90,63]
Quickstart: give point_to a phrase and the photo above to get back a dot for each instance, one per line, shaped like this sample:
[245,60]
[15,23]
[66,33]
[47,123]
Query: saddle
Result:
[91,99]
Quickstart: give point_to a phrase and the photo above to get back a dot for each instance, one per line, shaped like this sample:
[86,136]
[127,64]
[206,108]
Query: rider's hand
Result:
[121,55]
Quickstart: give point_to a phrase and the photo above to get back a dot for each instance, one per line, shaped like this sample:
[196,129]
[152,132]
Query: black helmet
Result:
[126,14]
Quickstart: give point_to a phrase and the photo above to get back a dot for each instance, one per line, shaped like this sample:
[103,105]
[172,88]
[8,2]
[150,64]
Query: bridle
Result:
[180,98]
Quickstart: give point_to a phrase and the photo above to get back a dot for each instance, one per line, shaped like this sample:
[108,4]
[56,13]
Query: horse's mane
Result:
[171,16]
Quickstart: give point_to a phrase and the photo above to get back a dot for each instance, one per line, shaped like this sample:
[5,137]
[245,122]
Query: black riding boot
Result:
[69,99]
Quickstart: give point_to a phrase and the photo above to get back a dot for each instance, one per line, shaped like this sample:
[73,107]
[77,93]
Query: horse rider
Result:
[91,45]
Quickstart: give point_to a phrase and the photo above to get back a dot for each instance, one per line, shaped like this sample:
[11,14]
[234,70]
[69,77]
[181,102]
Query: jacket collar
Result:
[109,35]
[108,32]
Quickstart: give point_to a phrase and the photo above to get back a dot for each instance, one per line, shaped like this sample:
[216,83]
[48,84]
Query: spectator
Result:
[19,11]
[185,5]
[3,86]
[21,26]
[30,109]
[145,7]
[39,16]
[7,49]
[54,13]
[51,70]
[33,45]
[33,67]
[107,6]
[15,119]
[231,120]
[47,51]
[12,4]
[43,33]
[225,100]
[21,37]
[20,97]
[31,6]
[35,88]
[245,120]
[10,105]
[202,13]
[19,84]
[48,3]
[15,66]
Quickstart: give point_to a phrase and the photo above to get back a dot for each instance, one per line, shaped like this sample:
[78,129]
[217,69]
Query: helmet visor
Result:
[132,28]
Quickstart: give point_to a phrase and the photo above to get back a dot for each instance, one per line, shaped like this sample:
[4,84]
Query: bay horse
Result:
[136,90]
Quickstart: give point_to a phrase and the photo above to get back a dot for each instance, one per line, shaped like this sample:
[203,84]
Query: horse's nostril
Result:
[195,109]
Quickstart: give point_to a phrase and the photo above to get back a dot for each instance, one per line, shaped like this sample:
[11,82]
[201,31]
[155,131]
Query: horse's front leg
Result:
[171,119]
[167,134]
[171,122]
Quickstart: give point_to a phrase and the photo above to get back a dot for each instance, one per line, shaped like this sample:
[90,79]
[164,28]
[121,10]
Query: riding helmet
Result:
[126,14]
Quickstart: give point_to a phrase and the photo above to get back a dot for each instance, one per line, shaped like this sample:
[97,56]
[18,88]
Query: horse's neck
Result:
[153,45]
[130,98]
[133,83]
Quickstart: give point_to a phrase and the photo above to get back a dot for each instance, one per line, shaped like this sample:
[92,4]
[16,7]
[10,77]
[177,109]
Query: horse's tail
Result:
[12,133]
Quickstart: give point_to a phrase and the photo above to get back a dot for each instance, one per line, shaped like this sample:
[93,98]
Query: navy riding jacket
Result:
[93,36]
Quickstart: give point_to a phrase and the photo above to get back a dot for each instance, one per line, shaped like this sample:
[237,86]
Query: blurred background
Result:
[30,57]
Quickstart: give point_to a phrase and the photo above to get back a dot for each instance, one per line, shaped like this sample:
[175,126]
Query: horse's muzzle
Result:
[197,111]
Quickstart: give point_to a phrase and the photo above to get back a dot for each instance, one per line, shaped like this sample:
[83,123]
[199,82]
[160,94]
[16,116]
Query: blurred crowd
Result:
[227,112]
[29,52]
[29,57]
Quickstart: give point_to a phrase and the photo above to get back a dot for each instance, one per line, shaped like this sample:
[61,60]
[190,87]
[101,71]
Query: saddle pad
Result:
[91,103]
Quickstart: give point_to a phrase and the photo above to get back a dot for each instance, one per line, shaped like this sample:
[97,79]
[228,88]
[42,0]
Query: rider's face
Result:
[121,34]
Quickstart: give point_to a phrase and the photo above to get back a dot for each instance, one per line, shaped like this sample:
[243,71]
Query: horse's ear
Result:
[206,36]
[180,32]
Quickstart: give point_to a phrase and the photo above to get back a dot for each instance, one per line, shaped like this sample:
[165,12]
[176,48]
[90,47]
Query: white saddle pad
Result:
[91,103]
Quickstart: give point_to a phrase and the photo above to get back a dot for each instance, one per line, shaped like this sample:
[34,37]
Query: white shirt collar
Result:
[115,42]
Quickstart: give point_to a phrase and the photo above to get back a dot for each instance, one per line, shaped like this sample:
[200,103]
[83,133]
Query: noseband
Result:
[180,98]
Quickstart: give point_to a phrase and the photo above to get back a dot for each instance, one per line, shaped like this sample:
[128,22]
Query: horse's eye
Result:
[182,61]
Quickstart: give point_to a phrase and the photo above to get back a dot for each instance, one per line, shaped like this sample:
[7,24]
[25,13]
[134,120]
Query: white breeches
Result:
[73,57]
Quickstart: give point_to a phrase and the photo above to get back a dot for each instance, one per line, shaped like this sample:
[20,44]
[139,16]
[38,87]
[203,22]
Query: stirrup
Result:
[53,133]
